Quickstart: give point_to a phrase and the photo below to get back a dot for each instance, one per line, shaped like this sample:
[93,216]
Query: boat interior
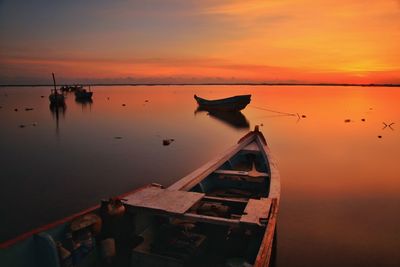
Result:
[246,175]
[219,222]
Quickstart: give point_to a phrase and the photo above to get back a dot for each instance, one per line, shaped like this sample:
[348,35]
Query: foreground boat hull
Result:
[230,204]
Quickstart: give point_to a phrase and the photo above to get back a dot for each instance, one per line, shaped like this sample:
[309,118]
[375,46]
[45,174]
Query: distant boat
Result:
[234,103]
[83,94]
[55,97]
[222,214]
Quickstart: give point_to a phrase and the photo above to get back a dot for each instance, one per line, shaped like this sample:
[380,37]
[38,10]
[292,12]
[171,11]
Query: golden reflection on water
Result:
[340,182]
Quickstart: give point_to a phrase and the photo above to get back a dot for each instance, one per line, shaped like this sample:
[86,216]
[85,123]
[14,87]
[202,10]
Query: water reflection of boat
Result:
[84,101]
[60,108]
[229,205]
[234,119]
[234,103]
[56,109]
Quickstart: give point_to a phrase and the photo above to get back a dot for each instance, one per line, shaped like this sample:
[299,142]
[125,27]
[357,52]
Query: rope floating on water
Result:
[275,111]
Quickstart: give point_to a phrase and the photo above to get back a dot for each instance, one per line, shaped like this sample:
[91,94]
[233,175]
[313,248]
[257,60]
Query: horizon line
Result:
[208,84]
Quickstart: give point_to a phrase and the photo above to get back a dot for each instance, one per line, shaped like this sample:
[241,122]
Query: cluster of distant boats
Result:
[57,98]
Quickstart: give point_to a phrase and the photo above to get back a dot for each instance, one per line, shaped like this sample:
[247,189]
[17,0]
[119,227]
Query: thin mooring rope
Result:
[275,111]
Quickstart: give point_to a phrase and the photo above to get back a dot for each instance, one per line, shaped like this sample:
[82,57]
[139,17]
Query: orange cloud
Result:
[254,40]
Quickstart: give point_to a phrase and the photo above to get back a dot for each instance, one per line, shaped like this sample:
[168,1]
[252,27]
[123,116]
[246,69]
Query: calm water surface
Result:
[340,182]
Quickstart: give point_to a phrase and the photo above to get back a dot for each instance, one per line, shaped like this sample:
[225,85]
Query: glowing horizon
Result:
[229,41]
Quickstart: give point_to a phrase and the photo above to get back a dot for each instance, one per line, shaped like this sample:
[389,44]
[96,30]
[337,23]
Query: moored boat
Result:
[222,214]
[234,103]
[55,97]
[83,94]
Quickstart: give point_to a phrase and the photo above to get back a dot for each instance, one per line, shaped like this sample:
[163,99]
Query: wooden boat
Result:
[55,97]
[83,94]
[222,214]
[234,103]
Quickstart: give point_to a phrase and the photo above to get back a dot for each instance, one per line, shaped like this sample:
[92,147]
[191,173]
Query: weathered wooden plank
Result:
[252,147]
[210,219]
[170,201]
[242,173]
[256,211]
[227,199]
[264,254]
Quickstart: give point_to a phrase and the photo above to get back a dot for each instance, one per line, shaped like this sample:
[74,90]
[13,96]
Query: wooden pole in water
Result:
[54,82]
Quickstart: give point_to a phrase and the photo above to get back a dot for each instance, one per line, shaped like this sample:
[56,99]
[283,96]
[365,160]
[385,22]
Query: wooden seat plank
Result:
[256,211]
[170,201]
[251,173]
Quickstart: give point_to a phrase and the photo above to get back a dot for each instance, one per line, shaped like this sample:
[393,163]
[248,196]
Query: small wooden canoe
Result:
[234,103]
[222,214]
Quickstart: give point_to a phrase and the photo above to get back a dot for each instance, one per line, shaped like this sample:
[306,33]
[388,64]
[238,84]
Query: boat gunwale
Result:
[10,242]
[199,174]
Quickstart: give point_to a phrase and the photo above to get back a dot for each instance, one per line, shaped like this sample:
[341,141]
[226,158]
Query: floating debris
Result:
[379,136]
[118,137]
[303,116]
[22,126]
[108,98]
[167,142]
[15,109]
[28,109]
[42,96]
[123,105]
[261,124]
[146,100]
[370,108]
[362,119]
[388,125]
[347,120]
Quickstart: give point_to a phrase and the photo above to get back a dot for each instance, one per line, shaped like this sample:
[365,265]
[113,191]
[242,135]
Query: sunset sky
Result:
[295,41]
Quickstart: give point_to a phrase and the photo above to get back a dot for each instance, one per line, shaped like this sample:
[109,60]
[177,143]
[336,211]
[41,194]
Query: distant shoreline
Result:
[208,84]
